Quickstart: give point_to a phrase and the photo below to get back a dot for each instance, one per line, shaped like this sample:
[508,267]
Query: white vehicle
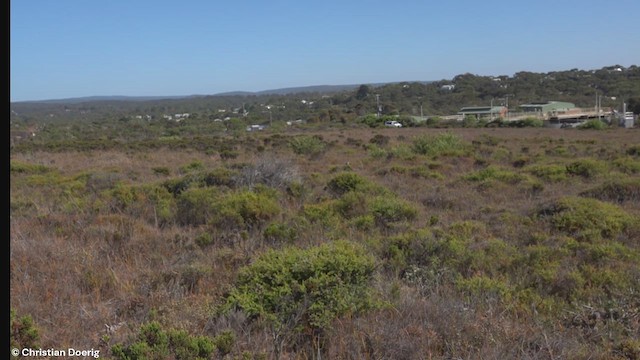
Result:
[392,124]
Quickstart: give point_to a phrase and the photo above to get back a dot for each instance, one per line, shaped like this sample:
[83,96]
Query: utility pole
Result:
[507,105]
[491,110]
[378,104]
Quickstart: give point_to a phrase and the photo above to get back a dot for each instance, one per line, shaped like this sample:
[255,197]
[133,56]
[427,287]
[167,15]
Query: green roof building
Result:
[547,107]
[483,111]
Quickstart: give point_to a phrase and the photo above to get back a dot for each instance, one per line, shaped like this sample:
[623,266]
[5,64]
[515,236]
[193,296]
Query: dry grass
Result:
[78,265]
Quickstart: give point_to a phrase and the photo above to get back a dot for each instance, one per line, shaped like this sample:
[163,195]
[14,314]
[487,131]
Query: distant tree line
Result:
[609,87]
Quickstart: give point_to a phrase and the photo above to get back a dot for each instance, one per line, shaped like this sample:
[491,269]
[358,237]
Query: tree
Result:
[363,92]
[633,105]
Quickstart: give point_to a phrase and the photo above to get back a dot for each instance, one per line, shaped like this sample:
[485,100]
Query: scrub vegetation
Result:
[335,242]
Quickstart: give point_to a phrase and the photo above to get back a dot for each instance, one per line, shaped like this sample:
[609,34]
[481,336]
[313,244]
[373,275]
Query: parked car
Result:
[392,124]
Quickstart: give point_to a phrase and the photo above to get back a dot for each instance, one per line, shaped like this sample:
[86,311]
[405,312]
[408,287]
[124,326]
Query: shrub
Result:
[387,209]
[192,167]
[204,239]
[588,219]
[302,290]
[377,152]
[26,168]
[307,145]
[200,206]
[549,172]
[217,177]
[270,171]
[161,170]
[594,124]
[526,122]
[195,206]
[245,208]
[627,165]
[380,140]
[633,150]
[280,232]
[483,286]
[616,191]
[494,173]
[587,168]
[446,144]
[345,182]
[23,332]
[152,342]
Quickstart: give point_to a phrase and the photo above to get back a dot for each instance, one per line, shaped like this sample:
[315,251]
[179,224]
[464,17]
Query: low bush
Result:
[617,191]
[154,342]
[388,209]
[270,171]
[307,145]
[627,165]
[18,167]
[345,182]
[550,172]
[495,173]
[23,332]
[586,168]
[445,144]
[594,124]
[301,291]
[588,219]
[280,232]
[526,122]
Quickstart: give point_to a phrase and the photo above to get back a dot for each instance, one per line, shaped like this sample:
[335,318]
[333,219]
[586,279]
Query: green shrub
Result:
[220,176]
[445,144]
[225,342]
[196,206]
[402,152]
[161,170]
[26,168]
[495,173]
[627,165]
[204,239]
[152,342]
[588,219]
[379,139]
[216,177]
[633,150]
[345,182]
[526,122]
[280,232]
[193,166]
[594,124]
[616,191]
[352,204]
[301,290]
[322,213]
[387,209]
[23,332]
[246,208]
[549,172]
[377,152]
[200,206]
[480,286]
[307,145]
[587,168]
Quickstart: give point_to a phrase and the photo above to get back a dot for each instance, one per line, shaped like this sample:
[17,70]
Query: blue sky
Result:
[75,48]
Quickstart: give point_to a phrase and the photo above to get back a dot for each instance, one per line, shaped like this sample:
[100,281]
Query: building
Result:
[547,108]
[484,112]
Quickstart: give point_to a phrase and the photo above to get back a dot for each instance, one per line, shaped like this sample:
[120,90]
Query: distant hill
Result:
[104,98]
[321,89]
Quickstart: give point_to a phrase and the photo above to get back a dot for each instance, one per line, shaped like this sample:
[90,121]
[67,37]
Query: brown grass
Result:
[77,269]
